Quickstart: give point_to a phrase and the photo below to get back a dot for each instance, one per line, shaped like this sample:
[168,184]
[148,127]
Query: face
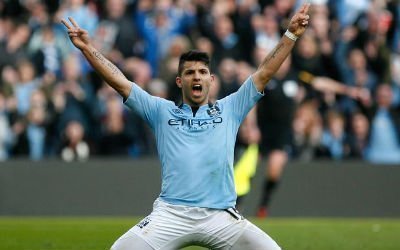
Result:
[195,83]
[360,125]
[384,96]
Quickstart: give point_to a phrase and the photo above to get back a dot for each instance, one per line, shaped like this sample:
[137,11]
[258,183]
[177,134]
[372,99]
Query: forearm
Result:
[326,84]
[108,71]
[272,62]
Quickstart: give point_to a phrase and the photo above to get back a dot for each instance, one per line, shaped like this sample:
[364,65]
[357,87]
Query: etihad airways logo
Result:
[194,124]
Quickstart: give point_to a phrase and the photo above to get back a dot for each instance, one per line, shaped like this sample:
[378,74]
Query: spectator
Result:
[334,142]
[266,28]
[205,44]
[242,20]
[116,34]
[243,69]
[48,48]
[355,73]
[158,24]
[138,70]
[6,134]
[347,11]
[116,138]
[37,120]
[81,12]
[307,130]
[28,83]
[359,135]
[74,147]
[384,144]
[12,47]
[9,79]
[283,9]
[395,78]
[178,45]
[78,97]
[158,87]
[226,41]
[372,32]
[307,56]
[324,32]
[39,15]
[227,72]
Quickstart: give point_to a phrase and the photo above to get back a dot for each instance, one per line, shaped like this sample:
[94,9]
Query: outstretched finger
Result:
[66,24]
[304,8]
[73,22]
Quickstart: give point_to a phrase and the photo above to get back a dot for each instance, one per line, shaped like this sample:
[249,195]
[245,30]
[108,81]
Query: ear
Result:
[212,78]
[178,81]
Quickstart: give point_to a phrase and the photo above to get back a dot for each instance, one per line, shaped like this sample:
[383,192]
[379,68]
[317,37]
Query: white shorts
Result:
[175,226]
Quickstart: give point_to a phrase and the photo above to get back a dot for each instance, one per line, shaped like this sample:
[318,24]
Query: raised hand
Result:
[299,21]
[79,37]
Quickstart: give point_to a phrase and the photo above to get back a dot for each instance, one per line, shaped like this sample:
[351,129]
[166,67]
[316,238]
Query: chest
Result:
[185,121]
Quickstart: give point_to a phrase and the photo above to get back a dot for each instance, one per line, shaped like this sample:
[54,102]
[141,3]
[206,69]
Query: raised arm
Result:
[107,70]
[275,58]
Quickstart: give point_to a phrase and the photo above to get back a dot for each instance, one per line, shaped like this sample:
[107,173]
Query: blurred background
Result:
[337,96]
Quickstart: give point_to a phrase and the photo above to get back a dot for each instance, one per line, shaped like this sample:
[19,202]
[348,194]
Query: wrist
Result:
[291,36]
[86,47]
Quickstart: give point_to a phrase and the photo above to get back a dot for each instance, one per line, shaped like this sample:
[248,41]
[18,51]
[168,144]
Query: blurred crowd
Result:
[338,95]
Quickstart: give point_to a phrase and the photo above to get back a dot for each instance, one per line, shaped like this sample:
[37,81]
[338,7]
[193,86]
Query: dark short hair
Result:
[193,56]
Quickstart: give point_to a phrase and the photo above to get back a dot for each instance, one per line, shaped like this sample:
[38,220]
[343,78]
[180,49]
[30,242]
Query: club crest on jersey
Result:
[213,111]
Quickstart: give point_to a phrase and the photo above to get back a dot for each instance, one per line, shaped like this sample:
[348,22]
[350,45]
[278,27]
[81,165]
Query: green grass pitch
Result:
[89,233]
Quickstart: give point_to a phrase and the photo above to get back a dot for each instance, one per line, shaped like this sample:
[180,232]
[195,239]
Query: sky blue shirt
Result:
[196,151]
[384,147]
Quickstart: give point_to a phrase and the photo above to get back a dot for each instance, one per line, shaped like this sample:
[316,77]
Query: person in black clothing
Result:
[275,125]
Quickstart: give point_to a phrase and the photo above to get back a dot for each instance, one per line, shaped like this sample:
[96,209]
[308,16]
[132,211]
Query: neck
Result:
[194,104]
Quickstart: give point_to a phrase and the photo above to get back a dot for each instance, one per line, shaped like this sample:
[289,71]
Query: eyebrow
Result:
[201,69]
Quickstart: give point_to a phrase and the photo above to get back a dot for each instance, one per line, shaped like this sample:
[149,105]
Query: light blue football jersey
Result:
[196,150]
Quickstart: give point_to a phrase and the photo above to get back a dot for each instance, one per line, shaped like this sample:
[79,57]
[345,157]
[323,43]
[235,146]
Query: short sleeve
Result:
[243,100]
[144,104]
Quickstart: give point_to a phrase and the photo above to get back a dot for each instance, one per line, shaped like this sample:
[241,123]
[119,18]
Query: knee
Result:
[115,246]
[131,242]
[277,248]
[120,244]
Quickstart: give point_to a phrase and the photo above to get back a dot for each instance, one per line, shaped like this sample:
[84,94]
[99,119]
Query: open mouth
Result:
[197,89]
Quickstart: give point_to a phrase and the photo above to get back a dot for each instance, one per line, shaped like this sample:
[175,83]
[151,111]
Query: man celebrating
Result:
[195,142]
